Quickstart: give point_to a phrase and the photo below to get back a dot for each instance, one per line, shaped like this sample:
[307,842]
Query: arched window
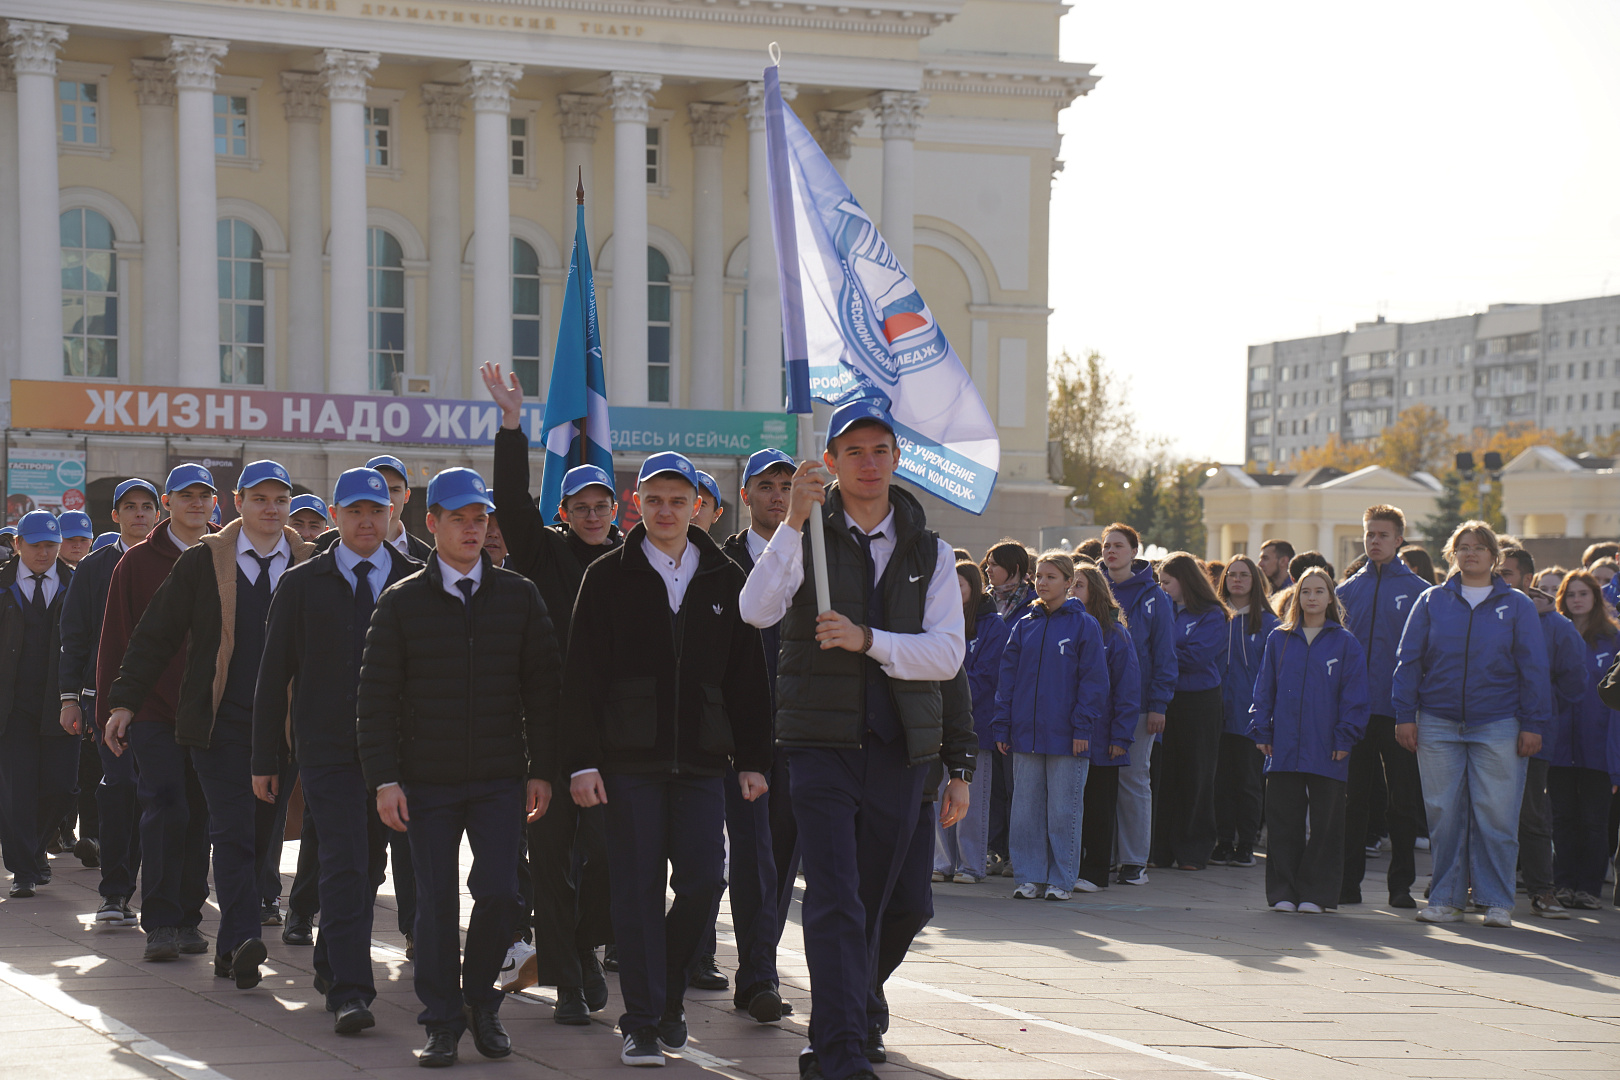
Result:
[241,304]
[657,326]
[385,307]
[526,316]
[89,296]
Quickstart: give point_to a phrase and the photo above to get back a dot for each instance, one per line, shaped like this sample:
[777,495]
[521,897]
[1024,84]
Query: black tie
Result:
[364,600]
[39,593]
[466,587]
[866,549]
[262,582]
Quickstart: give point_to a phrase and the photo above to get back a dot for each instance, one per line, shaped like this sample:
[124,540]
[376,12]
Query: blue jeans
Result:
[1473,782]
[1045,833]
[960,849]
[1134,808]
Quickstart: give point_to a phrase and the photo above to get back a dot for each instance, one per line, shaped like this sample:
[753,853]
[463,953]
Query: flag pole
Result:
[584,421]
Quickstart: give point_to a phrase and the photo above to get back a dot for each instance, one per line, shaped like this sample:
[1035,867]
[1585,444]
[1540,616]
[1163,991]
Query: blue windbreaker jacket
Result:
[1310,699]
[1053,686]
[1124,698]
[983,665]
[1377,601]
[1243,653]
[1198,648]
[1566,661]
[1472,665]
[1152,626]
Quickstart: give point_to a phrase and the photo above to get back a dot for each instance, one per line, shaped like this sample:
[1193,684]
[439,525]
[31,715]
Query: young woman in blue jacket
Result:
[1578,777]
[959,851]
[1184,784]
[1050,701]
[1309,711]
[1109,752]
[1472,693]
[1006,572]
[1240,767]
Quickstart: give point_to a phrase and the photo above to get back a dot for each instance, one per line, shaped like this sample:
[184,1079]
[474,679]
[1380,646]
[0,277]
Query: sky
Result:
[1257,171]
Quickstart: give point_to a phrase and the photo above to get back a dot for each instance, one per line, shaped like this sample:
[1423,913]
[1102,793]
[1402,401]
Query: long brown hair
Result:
[1595,624]
[1197,594]
[1294,616]
[1100,602]
[1259,594]
[968,571]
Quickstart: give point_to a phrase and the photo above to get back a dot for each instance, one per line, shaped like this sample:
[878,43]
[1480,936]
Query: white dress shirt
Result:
[25,581]
[348,559]
[402,542]
[451,576]
[934,654]
[677,575]
[280,558]
[756,545]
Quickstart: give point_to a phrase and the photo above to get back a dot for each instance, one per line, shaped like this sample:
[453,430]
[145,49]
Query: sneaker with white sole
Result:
[641,1048]
[1082,885]
[963,877]
[1440,913]
[1132,875]
[521,968]
[1284,905]
[1027,891]
[111,911]
[1055,893]
[1307,908]
[1499,917]
[1547,906]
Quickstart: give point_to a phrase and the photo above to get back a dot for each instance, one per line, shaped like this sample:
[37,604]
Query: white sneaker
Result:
[1499,916]
[521,968]
[1055,893]
[1284,905]
[1308,908]
[1421,843]
[1027,891]
[1440,913]
[1082,885]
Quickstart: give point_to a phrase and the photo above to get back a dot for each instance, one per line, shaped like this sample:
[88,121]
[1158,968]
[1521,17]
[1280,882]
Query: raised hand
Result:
[506,392]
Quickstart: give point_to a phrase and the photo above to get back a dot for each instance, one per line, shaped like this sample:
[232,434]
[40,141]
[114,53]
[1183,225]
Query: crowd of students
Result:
[607,716]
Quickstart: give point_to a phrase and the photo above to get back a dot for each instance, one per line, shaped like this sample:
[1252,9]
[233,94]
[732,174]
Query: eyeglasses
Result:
[1471,550]
[603,510]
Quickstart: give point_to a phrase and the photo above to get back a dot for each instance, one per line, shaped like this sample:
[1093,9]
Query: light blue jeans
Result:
[1044,835]
[960,849]
[1473,783]
[1134,807]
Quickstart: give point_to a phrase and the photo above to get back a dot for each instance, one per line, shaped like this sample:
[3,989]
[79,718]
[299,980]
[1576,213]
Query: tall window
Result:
[385,307]
[89,296]
[379,137]
[78,112]
[526,317]
[518,133]
[231,125]
[655,155]
[657,325]
[241,304]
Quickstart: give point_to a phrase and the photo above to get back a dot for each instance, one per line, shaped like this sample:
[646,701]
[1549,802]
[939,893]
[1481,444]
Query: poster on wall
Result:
[43,480]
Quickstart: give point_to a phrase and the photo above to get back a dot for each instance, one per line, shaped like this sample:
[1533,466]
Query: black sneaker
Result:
[1221,855]
[162,943]
[809,1067]
[130,917]
[1243,856]
[1130,874]
[706,975]
[672,1030]
[111,910]
[876,1052]
[191,940]
[270,913]
[641,1048]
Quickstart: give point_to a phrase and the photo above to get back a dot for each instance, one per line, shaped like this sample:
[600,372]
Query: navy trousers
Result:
[37,775]
[174,828]
[347,892]
[568,887]
[304,897]
[910,908]
[784,841]
[661,828]
[490,813]
[225,770]
[118,813]
[269,827]
[754,886]
[857,810]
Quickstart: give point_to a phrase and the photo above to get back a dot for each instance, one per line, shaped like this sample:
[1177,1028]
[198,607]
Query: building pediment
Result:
[1541,459]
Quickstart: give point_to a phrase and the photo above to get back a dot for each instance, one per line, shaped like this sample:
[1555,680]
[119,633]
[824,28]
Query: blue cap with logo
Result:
[760,460]
[75,525]
[360,485]
[581,477]
[255,473]
[454,488]
[184,476]
[39,527]
[710,486]
[124,489]
[218,516]
[307,502]
[669,462]
[8,531]
[847,415]
[103,540]
[389,461]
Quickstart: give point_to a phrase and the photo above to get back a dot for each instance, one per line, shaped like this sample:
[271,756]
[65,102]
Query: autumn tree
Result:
[1335,454]
[1089,416]
[1420,440]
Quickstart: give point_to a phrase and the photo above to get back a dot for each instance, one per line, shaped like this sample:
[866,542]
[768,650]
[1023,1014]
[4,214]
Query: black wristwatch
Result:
[964,775]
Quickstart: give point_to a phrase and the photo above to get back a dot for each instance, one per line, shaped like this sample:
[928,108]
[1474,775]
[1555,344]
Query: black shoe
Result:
[672,1030]
[298,930]
[162,943]
[762,1001]
[1221,855]
[809,1067]
[1402,900]
[1242,856]
[111,911]
[245,963]
[270,914]
[641,1048]
[572,1009]
[44,875]
[88,851]
[352,1018]
[61,840]
[22,890]
[488,1035]
[610,958]
[191,940]
[595,984]
[440,1050]
[706,975]
[876,1052]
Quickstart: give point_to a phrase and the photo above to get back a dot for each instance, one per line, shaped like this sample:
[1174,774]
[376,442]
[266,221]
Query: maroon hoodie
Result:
[135,581]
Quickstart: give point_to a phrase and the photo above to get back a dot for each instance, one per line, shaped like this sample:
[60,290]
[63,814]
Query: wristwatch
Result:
[964,775]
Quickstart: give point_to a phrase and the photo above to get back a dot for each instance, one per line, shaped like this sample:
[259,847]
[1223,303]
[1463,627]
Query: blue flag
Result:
[576,421]
[854,326]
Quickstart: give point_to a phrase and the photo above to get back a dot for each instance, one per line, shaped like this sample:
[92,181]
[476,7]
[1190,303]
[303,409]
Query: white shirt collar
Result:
[348,558]
[402,542]
[756,544]
[676,578]
[245,545]
[451,575]
[886,526]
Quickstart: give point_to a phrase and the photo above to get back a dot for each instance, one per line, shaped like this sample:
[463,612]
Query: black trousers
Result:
[1239,791]
[1001,787]
[225,770]
[269,827]
[1097,820]
[755,889]
[568,887]
[784,841]
[348,886]
[384,843]
[174,828]
[86,810]
[36,789]
[118,821]
[1184,788]
[1379,753]
[1302,870]
[910,908]
[1580,813]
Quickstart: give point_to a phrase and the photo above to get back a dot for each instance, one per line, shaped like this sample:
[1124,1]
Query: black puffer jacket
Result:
[449,694]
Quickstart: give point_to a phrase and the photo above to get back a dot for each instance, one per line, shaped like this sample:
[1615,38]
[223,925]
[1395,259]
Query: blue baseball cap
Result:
[103,540]
[388,461]
[307,502]
[9,531]
[75,525]
[581,477]
[768,458]
[123,489]
[711,487]
[183,476]
[255,473]
[454,488]
[218,516]
[360,485]
[854,412]
[669,462]
[39,527]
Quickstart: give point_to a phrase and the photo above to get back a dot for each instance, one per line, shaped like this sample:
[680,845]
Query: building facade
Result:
[1552,365]
[371,199]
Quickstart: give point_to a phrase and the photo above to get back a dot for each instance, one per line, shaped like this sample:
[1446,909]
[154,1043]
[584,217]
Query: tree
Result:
[1088,415]
[1448,514]
[1420,440]
[1335,454]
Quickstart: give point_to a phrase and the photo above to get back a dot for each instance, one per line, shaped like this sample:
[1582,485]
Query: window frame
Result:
[668,325]
[404,311]
[262,302]
[76,71]
[384,98]
[529,113]
[118,280]
[660,120]
[538,316]
[241,86]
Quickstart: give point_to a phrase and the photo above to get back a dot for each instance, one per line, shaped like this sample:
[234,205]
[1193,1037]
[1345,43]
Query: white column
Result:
[160,236]
[194,62]
[441,110]
[489,86]
[578,115]
[39,235]
[1324,540]
[1256,538]
[10,308]
[834,130]
[710,124]
[347,75]
[304,104]
[762,358]
[630,93]
[900,113]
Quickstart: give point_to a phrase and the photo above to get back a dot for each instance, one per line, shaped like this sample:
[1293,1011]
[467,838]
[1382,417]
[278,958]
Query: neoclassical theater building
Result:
[211,207]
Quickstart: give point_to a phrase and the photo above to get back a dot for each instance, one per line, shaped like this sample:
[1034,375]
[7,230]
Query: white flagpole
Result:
[818,527]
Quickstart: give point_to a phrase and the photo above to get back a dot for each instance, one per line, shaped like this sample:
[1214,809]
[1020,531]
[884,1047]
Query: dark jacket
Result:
[416,549]
[311,617]
[11,644]
[736,548]
[551,556]
[1377,601]
[135,580]
[449,695]
[959,749]
[1310,700]
[983,666]
[650,691]
[193,610]
[83,610]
